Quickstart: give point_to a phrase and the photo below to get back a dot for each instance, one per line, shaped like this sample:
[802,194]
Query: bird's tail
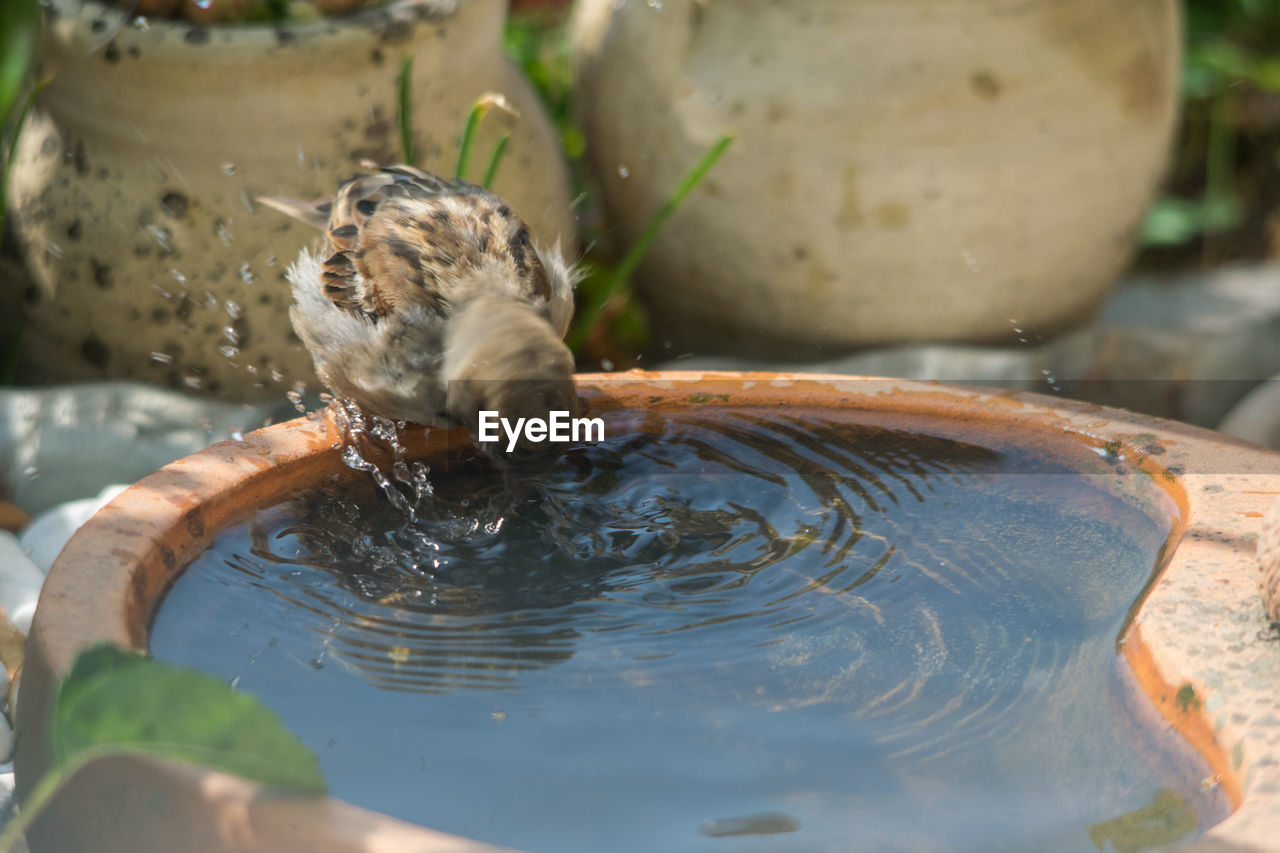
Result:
[503,356]
[315,213]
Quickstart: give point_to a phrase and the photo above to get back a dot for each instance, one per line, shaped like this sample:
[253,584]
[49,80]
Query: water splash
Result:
[358,429]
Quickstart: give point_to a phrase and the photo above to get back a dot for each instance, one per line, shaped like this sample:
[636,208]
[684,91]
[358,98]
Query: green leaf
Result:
[115,700]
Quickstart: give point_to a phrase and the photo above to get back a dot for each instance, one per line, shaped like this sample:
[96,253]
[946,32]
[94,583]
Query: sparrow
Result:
[429,301]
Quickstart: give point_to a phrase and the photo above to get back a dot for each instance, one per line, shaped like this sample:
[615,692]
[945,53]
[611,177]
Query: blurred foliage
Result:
[19,20]
[19,26]
[610,328]
[1224,186]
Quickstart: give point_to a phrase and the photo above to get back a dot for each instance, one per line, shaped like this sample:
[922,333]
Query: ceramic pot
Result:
[899,173]
[135,181]
[1200,614]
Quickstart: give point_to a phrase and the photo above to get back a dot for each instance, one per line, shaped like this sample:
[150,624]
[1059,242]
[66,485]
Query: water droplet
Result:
[193,380]
[178,277]
[606,364]
[228,351]
[246,275]
[141,24]
[656,5]
[295,397]
[276,375]
[271,260]
[235,684]
[624,172]
[232,336]
[162,357]
[228,169]
[53,248]
[224,234]
[237,435]
[203,4]
[233,309]
[162,236]
[31,472]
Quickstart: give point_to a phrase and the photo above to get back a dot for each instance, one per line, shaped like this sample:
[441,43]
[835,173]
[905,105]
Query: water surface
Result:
[759,632]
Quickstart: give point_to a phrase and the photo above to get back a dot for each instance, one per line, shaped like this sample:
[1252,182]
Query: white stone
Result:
[1186,347]
[63,443]
[20,582]
[43,539]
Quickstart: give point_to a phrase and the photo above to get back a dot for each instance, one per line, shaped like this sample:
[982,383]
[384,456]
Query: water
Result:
[757,633]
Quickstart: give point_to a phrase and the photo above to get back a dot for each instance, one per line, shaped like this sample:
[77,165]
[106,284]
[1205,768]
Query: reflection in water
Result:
[833,625]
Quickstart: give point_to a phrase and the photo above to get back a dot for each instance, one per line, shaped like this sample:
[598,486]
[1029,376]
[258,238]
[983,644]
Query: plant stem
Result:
[406,110]
[31,807]
[622,272]
[491,171]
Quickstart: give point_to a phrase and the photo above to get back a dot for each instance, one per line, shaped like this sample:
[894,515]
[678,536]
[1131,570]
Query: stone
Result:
[43,539]
[1187,346]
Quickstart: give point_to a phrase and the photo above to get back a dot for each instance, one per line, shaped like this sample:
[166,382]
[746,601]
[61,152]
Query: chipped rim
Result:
[1213,682]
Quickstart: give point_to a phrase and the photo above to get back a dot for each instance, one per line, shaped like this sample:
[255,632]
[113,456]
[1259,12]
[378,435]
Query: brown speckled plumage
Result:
[421,283]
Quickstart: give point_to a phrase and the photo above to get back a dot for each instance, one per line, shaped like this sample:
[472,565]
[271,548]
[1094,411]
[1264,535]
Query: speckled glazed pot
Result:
[945,172]
[135,180]
[1201,625]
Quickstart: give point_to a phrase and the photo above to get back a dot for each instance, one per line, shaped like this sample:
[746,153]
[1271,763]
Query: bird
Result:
[429,301]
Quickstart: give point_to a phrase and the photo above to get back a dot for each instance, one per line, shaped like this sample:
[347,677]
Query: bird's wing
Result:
[403,235]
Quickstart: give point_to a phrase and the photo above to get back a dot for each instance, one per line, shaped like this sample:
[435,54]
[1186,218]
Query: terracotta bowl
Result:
[1201,622]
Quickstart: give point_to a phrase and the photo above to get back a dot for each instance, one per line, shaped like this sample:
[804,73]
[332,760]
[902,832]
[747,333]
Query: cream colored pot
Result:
[950,171]
[135,180]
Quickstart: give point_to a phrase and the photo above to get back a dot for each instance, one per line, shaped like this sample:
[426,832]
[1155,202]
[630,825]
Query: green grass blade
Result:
[13,147]
[404,85]
[491,171]
[469,138]
[622,273]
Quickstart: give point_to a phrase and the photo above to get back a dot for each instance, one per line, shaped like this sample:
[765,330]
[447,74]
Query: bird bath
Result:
[851,611]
